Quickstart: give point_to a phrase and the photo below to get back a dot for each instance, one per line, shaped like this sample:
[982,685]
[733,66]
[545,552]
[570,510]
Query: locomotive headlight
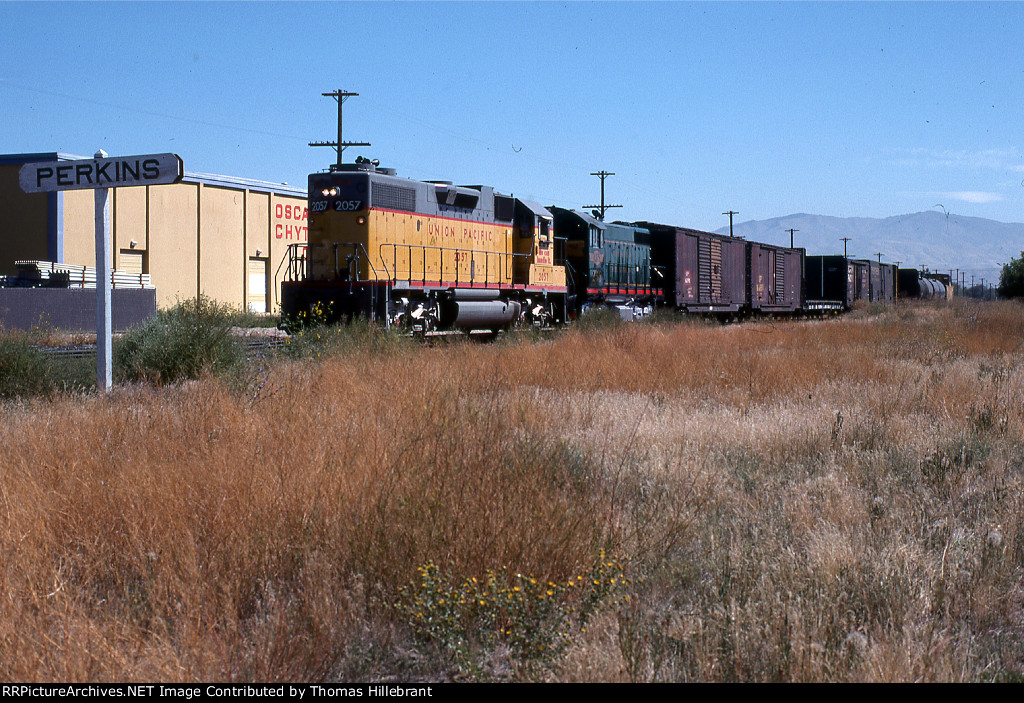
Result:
[361,220]
[325,192]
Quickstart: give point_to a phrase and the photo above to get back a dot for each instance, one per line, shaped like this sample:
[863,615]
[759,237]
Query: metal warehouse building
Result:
[217,236]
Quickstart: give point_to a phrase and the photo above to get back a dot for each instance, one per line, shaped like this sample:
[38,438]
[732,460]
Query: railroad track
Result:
[72,351]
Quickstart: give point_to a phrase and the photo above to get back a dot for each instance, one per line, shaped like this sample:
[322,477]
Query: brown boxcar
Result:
[776,278]
[887,294]
[861,279]
[704,272]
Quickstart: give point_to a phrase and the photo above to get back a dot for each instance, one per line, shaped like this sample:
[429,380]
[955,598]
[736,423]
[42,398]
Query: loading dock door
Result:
[130,262]
[257,285]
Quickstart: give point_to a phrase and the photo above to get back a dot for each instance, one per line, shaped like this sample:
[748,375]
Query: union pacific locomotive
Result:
[427,255]
[432,255]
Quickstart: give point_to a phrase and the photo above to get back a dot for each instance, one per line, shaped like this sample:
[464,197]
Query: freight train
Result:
[430,255]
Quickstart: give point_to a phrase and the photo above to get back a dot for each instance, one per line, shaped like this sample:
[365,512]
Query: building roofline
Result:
[210,179]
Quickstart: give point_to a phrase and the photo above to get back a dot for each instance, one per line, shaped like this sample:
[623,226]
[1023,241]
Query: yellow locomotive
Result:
[427,255]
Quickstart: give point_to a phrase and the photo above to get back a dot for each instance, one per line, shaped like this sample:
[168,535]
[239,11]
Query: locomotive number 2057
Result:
[342,205]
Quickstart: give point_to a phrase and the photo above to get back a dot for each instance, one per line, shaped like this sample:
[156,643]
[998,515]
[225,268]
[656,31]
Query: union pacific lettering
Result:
[447,230]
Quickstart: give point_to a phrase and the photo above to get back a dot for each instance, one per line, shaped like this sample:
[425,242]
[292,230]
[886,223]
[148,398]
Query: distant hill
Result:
[930,239]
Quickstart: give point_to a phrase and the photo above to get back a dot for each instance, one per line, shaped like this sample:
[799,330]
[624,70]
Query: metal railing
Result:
[503,267]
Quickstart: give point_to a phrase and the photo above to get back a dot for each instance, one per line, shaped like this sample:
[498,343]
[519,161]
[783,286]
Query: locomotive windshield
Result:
[344,193]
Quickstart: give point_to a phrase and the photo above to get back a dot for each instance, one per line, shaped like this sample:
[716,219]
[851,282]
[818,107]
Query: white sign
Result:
[115,172]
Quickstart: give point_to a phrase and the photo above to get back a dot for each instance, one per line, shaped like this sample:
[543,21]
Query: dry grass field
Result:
[839,500]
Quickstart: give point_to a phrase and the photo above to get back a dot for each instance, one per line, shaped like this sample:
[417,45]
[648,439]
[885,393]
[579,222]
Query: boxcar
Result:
[830,279]
[776,278]
[704,272]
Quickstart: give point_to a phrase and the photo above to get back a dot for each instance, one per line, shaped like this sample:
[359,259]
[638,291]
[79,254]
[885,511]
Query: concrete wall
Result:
[73,309]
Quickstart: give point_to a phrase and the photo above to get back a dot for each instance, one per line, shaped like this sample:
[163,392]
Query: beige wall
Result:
[79,227]
[195,237]
[222,245]
[173,242]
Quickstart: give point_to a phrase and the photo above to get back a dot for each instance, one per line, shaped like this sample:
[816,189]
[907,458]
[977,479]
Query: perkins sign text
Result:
[115,172]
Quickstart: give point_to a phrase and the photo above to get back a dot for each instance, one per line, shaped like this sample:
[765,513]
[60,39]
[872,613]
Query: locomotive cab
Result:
[534,244]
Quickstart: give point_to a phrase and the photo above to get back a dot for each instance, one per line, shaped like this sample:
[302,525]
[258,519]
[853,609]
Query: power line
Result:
[152,113]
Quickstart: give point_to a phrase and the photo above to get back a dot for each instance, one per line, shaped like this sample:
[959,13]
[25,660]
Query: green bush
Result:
[26,371]
[184,342]
[535,619]
[598,318]
[23,368]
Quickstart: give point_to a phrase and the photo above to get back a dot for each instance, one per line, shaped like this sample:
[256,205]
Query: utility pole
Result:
[730,213]
[791,236]
[879,255]
[844,240]
[602,207]
[340,145]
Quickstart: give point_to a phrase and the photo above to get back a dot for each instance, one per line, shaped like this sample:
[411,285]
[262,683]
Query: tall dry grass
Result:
[793,501]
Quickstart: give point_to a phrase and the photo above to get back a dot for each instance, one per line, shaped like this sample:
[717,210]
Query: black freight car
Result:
[838,278]
[830,282]
[704,272]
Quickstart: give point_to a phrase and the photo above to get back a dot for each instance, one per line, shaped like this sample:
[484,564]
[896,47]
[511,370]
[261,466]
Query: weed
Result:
[183,342]
[535,619]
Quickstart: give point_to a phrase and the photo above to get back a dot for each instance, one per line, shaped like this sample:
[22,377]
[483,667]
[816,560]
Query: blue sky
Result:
[845,109]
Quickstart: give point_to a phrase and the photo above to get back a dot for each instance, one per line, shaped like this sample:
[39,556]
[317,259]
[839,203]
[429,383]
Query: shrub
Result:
[535,619]
[192,338]
[23,368]
[598,318]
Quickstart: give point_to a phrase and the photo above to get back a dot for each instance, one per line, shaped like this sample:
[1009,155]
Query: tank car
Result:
[609,264]
[924,286]
[427,255]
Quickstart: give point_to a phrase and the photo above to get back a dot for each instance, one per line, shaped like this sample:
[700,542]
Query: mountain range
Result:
[938,241]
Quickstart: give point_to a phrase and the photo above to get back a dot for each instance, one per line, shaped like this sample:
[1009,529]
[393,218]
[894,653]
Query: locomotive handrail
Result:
[290,255]
[510,257]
